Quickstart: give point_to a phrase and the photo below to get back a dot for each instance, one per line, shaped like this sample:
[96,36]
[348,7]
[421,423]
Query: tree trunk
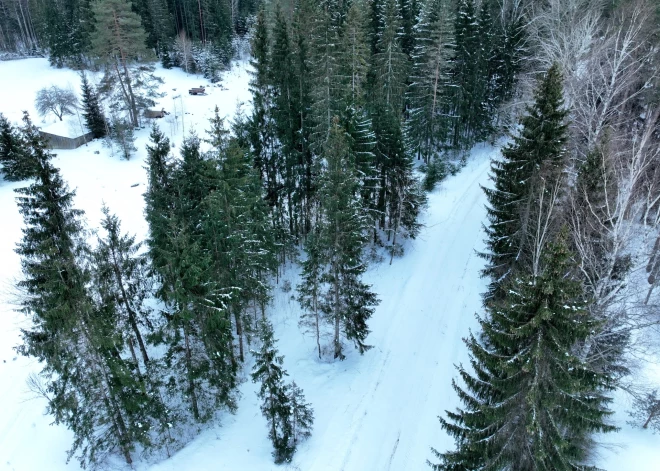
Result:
[191,382]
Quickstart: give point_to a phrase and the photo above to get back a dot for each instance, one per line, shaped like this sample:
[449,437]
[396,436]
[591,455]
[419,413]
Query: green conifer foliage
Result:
[92,111]
[536,155]
[276,406]
[348,302]
[428,93]
[15,158]
[89,386]
[288,415]
[530,403]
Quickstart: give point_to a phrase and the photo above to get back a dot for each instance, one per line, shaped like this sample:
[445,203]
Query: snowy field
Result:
[376,412]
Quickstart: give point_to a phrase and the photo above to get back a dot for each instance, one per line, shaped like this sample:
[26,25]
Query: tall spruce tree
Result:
[348,301]
[531,403]
[310,291]
[262,130]
[428,92]
[159,200]
[469,77]
[536,153]
[92,111]
[237,232]
[198,328]
[326,72]
[89,386]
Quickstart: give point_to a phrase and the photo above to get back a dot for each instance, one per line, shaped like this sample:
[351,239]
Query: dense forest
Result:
[359,107]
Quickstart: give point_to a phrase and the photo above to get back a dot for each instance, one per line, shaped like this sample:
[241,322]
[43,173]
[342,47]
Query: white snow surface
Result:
[373,412]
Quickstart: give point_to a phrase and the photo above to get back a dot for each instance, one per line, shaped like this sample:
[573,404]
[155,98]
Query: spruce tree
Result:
[237,232]
[288,415]
[92,111]
[469,77]
[15,159]
[276,406]
[262,125]
[354,57]
[531,403]
[89,386]
[123,273]
[302,46]
[286,115]
[428,93]
[326,79]
[159,200]
[302,414]
[390,64]
[537,152]
[348,302]
[198,328]
[310,290]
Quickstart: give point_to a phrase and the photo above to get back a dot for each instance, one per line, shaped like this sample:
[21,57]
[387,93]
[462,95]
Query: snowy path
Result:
[429,298]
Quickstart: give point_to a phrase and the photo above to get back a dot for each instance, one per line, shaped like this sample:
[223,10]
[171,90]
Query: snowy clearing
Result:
[373,412]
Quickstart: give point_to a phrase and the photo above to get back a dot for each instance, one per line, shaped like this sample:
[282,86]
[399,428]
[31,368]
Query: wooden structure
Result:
[197,91]
[155,114]
[63,142]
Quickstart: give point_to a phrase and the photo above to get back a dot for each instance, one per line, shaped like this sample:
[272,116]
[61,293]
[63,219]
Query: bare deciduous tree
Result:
[58,101]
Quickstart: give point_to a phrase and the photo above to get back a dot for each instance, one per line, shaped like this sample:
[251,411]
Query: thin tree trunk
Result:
[239,332]
[191,382]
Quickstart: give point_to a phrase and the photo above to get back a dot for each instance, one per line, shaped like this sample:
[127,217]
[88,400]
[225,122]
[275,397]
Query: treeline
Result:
[65,29]
[572,219]
[402,80]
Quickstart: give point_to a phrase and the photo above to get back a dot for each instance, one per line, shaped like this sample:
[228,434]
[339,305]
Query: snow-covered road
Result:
[429,298]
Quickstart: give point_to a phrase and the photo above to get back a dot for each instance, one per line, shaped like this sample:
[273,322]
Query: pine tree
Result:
[14,157]
[120,40]
[348,301]
[531,403]
[92,111]
[537,152]
[276,404]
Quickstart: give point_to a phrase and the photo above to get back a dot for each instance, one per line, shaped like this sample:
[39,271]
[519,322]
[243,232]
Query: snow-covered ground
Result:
[375,412]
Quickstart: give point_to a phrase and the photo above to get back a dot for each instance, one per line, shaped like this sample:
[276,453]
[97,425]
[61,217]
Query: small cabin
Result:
[155,114]
[67,134]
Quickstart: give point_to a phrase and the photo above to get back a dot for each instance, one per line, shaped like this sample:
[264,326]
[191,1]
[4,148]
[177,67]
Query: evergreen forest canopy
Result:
[347,97]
